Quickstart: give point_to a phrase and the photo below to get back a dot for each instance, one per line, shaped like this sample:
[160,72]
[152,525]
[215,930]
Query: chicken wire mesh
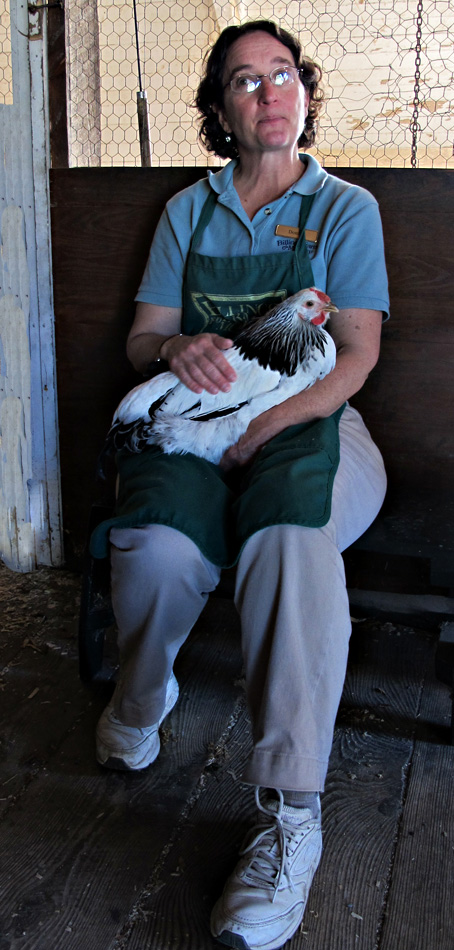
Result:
[6,74]
[388,77]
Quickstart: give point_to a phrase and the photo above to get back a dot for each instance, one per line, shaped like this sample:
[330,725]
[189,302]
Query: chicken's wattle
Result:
[316,321]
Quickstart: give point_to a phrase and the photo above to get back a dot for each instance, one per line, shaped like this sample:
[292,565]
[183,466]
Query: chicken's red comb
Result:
[323,297]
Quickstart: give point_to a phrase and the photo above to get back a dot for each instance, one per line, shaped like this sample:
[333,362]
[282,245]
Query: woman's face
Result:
[271,118]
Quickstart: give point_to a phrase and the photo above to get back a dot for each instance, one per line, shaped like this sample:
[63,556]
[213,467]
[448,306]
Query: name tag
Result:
[283,230]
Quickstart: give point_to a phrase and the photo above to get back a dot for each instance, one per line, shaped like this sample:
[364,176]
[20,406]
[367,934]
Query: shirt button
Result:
[267,210]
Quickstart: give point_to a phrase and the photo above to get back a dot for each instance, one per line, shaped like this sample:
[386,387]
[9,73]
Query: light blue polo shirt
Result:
[347,257]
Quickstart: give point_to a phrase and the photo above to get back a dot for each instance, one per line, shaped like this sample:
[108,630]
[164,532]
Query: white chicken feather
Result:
[275,356]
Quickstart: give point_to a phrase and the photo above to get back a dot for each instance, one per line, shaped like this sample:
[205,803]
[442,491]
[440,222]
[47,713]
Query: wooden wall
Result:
[102,224]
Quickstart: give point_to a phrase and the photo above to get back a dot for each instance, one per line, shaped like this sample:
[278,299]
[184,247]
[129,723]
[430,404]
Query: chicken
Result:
[275,356]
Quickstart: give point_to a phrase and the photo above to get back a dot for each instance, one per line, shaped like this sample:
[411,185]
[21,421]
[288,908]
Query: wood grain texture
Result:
[30,515]
[420,910]
[56,63]
[102,224]
[117,861]
[363,805]
[89,834]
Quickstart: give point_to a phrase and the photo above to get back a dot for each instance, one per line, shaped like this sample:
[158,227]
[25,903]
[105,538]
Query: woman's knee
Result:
[168,552]
[282,557]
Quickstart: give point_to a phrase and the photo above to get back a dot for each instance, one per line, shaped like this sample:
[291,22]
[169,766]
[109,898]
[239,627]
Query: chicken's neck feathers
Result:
[281,345]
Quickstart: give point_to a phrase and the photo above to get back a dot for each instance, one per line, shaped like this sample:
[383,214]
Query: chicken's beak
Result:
[322,318]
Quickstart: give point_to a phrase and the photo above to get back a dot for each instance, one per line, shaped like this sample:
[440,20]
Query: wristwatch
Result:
[159,365]
[155,367]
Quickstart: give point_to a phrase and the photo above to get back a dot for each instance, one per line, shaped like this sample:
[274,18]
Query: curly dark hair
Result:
[210,93]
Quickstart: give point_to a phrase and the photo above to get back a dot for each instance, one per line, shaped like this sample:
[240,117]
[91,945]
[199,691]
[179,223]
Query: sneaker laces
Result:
[271,846]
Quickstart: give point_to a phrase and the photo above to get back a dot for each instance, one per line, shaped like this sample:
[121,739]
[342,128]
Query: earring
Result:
[228,138]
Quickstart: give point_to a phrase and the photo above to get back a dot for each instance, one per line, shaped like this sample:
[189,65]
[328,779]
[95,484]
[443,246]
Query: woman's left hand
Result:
[260,431]
[357,337]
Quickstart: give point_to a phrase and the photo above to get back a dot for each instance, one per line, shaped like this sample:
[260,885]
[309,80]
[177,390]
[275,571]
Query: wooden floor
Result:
[95,860]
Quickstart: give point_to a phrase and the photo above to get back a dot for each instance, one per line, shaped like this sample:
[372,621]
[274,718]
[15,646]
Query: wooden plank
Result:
[359,834]
[56,58]
[87,831]
[40,605]
[131,861]
[365,794]
[30,528]
[174,909]
[405,608]
[418,523]
[83,82]
[103,221]
[102,225]
[362,807]
[417,347]
[420,907]
[41,698]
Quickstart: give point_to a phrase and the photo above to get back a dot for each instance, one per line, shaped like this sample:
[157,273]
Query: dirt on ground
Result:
[38,611]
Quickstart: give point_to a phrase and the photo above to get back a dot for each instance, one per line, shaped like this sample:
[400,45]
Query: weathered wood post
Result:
[30,507]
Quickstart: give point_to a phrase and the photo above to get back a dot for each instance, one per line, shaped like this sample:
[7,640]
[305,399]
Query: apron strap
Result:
[306,205]
[204,219]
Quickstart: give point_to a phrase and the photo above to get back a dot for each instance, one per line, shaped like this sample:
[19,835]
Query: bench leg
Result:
[96,613]
[444,663]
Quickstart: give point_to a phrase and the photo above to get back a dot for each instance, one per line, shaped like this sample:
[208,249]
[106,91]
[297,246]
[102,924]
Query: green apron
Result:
[290,481]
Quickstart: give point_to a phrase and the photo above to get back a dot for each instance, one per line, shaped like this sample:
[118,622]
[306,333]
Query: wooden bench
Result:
[102,224]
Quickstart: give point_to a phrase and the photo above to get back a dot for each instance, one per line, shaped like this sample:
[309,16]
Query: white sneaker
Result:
[264,900]
[126,747]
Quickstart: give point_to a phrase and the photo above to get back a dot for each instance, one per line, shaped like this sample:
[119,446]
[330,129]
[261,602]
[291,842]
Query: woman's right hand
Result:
[198,361]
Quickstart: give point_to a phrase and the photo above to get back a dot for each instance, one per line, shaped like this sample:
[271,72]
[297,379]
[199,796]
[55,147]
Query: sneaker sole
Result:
[233,940]
[238,942]
[122,765]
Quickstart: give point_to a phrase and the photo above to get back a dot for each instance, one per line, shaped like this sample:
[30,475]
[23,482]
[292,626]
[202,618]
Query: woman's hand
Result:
[198,361]
[357,336]
[259,431]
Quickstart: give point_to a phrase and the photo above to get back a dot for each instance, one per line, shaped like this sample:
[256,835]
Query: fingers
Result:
[229,460]
[199,363]
[239,454]
[258,433]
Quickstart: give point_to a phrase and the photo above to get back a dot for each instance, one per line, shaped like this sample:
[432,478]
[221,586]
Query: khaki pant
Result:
[292,600]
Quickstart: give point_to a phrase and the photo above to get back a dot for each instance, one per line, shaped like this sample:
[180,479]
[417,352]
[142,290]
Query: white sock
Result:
[310,800]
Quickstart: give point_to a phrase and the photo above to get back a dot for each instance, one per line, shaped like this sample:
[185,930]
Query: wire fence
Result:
[6,74]
[388,76]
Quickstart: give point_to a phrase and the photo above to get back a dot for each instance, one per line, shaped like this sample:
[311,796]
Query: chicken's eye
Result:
[310,303]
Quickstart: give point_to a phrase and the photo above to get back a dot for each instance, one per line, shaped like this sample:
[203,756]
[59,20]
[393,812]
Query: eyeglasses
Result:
[243,84]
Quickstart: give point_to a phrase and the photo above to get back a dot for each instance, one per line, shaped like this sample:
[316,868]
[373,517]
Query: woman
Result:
[224,247]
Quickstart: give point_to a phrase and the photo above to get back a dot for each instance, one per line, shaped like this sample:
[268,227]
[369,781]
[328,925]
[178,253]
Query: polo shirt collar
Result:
[312,181]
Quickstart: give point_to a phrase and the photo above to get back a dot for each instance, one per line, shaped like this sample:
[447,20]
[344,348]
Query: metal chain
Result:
[415,128]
